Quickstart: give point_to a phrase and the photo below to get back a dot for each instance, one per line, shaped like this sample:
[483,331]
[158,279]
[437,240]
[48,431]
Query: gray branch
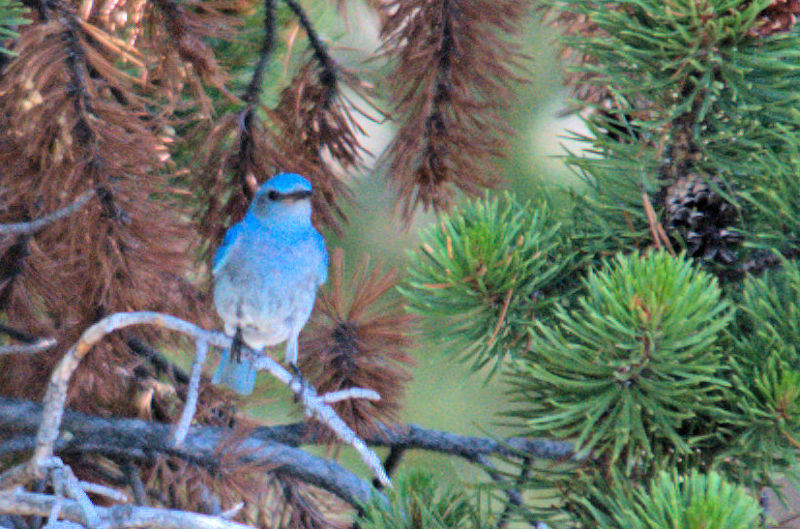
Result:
[28,348]
[413,436]
[274,446]
[142,440]
[24,503]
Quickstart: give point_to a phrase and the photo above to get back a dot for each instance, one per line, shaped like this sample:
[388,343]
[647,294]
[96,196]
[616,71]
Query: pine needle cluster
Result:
[484,272]
[626,372]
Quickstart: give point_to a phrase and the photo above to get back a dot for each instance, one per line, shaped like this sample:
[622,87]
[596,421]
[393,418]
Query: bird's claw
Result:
[298,377]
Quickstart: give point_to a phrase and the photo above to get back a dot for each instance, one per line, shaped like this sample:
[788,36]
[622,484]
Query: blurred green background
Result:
[443,395]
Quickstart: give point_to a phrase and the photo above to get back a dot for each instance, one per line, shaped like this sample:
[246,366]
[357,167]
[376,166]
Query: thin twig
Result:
[33,226]
[314,406]
[233,511]
[252,96]
[189,408]
[349,394]
[20,336]
[390,463]
[328,75]
[135,482]
[102,490]
[267,44]
[512,493]
[29,348]
[515,501]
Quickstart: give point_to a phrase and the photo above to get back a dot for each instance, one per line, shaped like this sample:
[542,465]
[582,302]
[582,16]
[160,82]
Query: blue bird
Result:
[266,275]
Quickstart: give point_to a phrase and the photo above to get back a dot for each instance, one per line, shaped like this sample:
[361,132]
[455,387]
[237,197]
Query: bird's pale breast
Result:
[267,286]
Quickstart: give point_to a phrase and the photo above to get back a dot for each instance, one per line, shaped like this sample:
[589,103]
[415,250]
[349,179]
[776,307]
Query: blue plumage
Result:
[266,274]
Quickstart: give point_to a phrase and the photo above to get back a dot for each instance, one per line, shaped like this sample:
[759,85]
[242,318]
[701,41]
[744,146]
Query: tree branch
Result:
[413,436]
[328,74]
[274,446]
[145,441]
[27,228]
[118,517]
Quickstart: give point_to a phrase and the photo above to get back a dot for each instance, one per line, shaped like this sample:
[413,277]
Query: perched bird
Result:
[266,275]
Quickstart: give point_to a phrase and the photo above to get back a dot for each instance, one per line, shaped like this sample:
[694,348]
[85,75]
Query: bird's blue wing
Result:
[224,249]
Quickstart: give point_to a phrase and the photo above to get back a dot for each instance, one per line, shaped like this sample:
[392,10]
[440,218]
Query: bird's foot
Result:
[298,377]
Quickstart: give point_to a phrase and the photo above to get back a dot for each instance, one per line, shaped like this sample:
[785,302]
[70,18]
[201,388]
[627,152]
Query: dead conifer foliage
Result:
[454,63]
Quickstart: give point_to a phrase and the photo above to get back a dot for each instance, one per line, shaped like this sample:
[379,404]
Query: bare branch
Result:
[272,446]
[56,396]
[27,228]
[348,394]
[413,436]
[117,517]
[133,439]
[28,348]
[102,490]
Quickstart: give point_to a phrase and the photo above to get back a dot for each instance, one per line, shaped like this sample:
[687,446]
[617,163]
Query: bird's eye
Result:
[273,195]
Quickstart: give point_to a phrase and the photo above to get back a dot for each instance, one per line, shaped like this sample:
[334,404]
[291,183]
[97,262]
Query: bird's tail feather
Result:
[237,375]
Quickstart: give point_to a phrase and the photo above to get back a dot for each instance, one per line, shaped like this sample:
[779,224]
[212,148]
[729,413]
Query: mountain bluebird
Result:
[266,275]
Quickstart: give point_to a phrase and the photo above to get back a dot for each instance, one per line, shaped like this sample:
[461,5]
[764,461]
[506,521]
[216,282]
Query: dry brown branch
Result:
[358,338]
[455,62]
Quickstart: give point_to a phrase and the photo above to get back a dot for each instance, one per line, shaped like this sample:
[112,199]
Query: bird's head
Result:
[285,195]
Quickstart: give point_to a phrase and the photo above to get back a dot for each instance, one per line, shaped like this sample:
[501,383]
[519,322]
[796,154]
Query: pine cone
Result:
[703,217]
[781,15]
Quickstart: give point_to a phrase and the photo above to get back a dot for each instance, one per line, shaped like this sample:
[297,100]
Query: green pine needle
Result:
[630,370]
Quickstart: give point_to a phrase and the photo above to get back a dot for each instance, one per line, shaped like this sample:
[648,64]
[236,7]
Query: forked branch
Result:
[56,396]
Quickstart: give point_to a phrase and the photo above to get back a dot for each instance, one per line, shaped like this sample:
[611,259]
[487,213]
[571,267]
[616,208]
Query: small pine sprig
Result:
[483,272]
[415,502]
[766,432]
[685,502]
[628,372]
[11,15]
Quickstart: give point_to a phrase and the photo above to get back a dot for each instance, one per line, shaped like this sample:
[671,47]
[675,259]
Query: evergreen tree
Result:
[643,325]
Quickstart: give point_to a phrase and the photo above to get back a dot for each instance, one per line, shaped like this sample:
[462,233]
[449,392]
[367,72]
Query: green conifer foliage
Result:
[626,372]
[680,354]
[11,16]
[694,501]
[483,272]
[765,346]
[415,502]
